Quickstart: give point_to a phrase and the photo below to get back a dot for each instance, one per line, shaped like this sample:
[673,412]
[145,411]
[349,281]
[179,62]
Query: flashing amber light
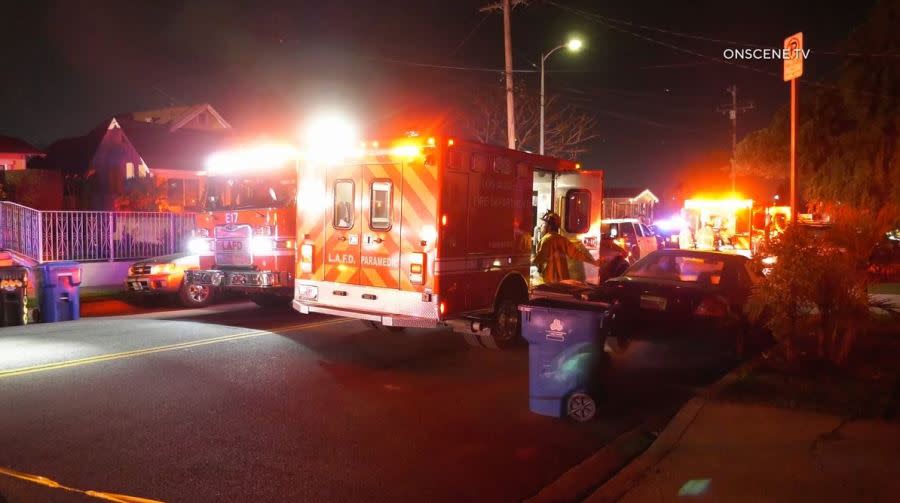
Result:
[406,151]
[431,141]
[729,203]
[374,144]
[441,307]
[577,165]
[444,219]
[450,142]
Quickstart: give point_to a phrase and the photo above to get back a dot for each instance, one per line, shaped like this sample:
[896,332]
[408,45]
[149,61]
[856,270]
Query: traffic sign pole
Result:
[793,69]
[794,151]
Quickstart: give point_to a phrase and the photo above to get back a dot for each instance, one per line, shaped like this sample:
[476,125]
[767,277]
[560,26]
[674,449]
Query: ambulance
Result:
[245,237]
[427,230]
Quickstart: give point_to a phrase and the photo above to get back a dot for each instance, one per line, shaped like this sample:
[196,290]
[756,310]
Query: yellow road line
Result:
[44,481]
[159,349]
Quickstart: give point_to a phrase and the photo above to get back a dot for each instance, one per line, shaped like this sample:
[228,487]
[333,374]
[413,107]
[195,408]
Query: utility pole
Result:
[732,111]
[506,6]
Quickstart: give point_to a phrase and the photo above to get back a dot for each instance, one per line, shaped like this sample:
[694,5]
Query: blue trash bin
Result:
[58,290]
[565,356]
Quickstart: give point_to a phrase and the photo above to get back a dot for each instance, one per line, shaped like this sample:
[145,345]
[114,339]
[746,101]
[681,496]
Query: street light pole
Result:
[572,45]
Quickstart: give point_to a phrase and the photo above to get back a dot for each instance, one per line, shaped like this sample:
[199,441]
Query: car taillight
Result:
[417,263]
[712,307]
[306,258]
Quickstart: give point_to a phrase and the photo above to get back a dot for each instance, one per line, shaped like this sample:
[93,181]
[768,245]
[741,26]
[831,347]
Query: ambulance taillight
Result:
[306,258]
[417,268]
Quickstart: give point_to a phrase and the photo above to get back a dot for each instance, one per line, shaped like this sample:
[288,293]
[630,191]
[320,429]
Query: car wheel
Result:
[618,345]
[506,329]
[581,407]
[195,295]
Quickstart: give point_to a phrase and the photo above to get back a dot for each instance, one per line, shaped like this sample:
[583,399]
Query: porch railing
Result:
[92,235]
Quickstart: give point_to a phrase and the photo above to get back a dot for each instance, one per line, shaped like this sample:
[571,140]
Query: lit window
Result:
[129,170]
[578,211]
[380,208]
[343,204]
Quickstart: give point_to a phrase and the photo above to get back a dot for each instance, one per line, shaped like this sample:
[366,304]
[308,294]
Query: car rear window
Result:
[689,269]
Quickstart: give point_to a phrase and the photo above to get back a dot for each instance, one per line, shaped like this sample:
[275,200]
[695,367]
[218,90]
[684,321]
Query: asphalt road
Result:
[235,403]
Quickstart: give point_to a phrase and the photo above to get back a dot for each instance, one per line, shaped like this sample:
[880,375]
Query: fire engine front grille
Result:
[233,245]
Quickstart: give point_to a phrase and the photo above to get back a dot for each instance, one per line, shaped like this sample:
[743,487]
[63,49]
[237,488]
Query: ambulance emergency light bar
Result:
[251,159]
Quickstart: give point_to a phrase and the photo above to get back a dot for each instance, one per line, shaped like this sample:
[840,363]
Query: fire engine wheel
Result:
[269,300]
[581,407]
[195,295]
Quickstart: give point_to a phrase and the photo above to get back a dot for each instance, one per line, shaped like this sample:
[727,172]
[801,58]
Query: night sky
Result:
[263,64]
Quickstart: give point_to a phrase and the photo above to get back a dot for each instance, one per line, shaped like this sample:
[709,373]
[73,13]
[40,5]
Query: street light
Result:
[573,45]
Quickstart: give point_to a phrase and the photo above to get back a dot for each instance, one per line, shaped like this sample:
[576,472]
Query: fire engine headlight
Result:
[264,230]
[261,245]
[306,292]
[199,246]
[162,268]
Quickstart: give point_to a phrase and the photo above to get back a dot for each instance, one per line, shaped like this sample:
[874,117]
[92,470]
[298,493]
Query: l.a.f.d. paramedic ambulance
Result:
[428,230]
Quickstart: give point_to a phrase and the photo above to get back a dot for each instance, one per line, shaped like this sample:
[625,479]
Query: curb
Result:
[578,482]
[617,486]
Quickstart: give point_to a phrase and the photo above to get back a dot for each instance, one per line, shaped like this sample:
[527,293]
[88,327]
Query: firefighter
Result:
[554,251]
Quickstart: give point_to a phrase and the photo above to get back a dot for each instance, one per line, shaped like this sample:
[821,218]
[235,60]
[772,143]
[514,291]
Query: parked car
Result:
[164,276]
[675,290]
[629,233]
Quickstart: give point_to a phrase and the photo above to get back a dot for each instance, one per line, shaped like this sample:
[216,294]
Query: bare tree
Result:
[567,129]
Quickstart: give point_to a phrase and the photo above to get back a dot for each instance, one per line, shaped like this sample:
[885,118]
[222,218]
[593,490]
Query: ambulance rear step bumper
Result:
[389,320]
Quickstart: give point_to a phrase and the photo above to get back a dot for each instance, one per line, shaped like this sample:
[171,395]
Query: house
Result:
[15,153]
[154,155]
[629,202]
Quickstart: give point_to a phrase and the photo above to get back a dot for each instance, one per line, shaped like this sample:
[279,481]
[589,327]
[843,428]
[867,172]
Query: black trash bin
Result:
[565,356]
[13,286]
[59,290]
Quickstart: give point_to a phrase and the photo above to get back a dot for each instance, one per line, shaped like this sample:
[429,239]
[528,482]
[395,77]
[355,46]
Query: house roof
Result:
[628,193]
[175,117]
[181,149]
[10,145]
[72,155]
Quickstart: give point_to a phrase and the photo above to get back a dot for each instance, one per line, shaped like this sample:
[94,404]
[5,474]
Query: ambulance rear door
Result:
[343,225]
[381,186]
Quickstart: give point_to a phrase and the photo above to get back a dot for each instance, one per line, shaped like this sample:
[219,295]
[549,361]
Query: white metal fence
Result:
[92,235]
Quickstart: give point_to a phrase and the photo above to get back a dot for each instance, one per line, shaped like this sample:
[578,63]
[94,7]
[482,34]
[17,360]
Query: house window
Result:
[175,192]
[191,193]
[129,170]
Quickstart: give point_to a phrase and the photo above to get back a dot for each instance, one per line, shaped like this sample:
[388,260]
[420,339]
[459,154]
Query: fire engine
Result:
[427,230]
[722,224]
[245,237]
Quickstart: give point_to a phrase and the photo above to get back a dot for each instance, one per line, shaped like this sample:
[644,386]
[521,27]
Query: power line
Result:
[467,37]
[704,38]
[599,19]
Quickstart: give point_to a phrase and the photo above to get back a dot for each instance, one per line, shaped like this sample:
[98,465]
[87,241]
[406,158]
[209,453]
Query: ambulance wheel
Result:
[506,329]
[581,407]
[269,301]
[195,295]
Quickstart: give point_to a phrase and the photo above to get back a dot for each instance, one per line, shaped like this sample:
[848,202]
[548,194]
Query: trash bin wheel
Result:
[195,295]
[581,407]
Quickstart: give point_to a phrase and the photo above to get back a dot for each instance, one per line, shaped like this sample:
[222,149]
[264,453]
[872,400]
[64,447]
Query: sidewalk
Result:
[741,453]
